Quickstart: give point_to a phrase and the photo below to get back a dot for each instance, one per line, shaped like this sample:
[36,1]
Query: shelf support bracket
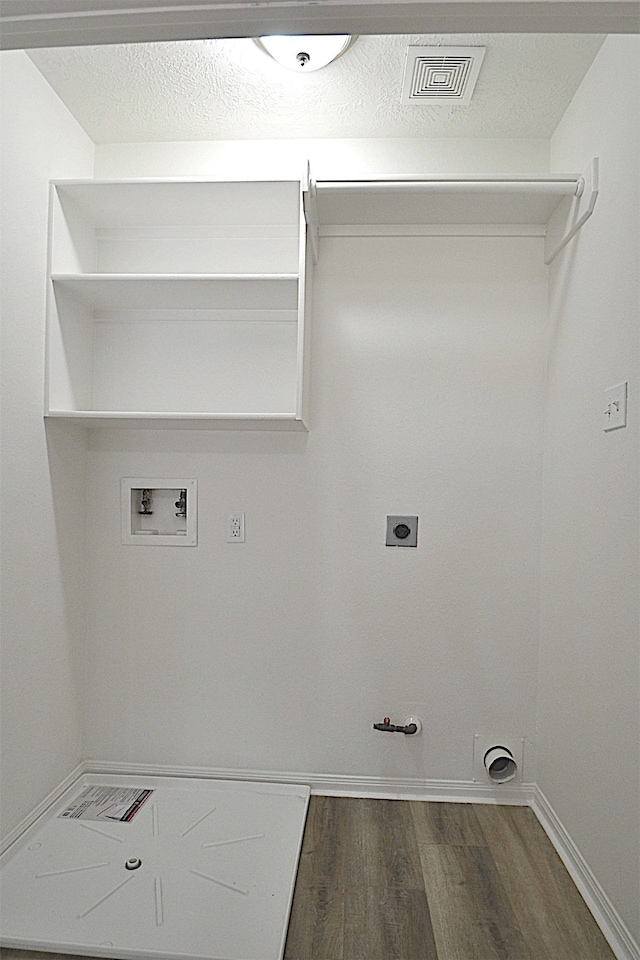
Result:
[594,188]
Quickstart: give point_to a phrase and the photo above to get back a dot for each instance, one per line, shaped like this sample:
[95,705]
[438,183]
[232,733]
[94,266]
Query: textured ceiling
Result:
[229,89]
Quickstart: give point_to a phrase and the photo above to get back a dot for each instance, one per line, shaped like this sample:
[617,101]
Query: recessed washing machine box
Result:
[159,512]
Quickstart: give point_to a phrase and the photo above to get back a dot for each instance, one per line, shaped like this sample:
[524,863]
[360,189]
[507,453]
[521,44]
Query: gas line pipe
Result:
[411,726]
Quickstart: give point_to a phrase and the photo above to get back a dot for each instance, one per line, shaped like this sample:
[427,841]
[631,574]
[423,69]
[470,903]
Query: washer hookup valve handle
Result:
[409,728]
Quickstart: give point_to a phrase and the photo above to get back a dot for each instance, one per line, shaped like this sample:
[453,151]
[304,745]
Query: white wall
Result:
[280,653]
[589,698]
[42,476]
[330,159]
[427,389]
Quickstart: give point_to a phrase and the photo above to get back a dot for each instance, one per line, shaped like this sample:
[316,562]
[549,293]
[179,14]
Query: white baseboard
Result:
[620,939]
[325,784]
[42,807]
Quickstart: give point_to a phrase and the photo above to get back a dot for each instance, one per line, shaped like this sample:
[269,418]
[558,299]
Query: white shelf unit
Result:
[185,303]
[554,207]
[178,303]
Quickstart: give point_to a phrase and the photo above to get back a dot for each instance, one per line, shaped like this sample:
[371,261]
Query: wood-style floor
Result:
[401,880]
[398,880]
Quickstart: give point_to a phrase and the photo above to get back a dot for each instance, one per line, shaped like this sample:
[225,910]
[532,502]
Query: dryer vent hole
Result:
[500,765]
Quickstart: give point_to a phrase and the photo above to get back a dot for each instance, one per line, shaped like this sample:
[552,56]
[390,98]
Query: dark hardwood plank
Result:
[550,910]
[471,914]
[383,923]
[316,927]
[359,892]
[328,838]
[384,851]
[448,823]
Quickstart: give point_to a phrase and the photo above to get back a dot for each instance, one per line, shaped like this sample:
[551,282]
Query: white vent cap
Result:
[441,74]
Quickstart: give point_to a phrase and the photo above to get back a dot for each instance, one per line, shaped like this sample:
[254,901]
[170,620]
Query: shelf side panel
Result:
[305,306]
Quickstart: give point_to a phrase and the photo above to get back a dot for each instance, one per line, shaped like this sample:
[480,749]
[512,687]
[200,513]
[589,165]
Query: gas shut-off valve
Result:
[410,727]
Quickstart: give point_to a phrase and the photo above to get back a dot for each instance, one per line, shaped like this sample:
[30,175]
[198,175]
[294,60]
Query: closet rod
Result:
[546,187]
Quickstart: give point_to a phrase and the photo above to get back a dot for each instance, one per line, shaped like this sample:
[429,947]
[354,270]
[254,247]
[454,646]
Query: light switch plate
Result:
[615,407]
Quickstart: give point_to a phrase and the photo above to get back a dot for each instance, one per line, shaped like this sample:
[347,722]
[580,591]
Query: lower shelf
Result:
[136,420]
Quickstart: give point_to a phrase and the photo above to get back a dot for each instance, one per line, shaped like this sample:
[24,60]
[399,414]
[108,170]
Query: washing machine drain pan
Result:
[180,868]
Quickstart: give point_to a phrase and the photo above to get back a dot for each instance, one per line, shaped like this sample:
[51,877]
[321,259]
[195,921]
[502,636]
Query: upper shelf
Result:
[397,201]
[192,203]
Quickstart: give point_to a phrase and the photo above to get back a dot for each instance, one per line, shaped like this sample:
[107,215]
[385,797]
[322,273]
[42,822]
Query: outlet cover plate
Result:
[235,527]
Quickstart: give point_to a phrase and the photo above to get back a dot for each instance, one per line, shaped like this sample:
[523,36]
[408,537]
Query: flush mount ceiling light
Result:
[305,53]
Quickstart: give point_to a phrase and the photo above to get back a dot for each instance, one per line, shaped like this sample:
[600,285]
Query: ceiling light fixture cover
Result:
[441,74]
[305,53]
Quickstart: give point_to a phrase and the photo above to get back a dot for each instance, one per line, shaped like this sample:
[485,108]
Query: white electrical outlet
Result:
[235,528]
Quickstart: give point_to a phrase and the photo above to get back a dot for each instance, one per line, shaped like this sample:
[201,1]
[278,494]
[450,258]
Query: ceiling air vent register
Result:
[441,74]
